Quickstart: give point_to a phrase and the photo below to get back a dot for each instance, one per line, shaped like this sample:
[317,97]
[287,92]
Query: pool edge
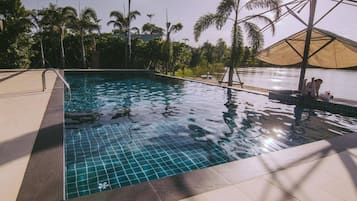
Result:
[212,84]
[44,176]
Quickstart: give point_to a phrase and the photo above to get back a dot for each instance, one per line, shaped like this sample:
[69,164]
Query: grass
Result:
[216,70]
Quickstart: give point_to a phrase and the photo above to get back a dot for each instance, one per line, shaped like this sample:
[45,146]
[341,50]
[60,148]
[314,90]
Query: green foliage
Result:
[56,21]
[122,22]
[75,40]
[15,42]
[216,69]
[112,51]
[86,23]
[167,50]
[225,9]
[149,28]
[185,72]
[181,56]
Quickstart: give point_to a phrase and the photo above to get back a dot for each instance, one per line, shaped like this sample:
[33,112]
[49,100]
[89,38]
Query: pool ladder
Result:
[59,76]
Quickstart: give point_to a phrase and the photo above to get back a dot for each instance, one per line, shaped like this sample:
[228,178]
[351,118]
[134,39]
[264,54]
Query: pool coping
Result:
[44,180]
[44,176]
[212,84]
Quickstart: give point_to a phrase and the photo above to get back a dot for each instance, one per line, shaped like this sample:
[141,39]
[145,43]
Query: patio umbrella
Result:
[327,50]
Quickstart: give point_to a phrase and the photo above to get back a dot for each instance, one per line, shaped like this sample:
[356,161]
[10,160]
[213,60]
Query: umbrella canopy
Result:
[327,50]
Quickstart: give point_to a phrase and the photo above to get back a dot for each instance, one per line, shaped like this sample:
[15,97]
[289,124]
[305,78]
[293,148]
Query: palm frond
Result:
[265,19]
[69,11]
[255,37]
[117,14]
[136,30]
[203,23]
[89,13]
[175,28]
[265,4]
[225,8]
[69,16]
[120,21]
[133,14]
[115,24]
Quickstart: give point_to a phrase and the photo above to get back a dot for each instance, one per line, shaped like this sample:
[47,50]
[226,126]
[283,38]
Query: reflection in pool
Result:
[125,129]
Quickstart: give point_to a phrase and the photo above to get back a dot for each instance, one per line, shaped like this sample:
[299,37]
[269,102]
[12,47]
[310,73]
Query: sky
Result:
[342,21]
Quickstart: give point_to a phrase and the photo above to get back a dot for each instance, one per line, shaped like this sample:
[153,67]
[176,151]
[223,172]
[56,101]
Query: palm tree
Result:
[87,22]
[36,22]
[228,8]
[167,48]
[121,22]
[57,19]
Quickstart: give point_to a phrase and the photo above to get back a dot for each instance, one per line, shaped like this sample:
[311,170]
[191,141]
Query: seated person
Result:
[312,88]
[318,83]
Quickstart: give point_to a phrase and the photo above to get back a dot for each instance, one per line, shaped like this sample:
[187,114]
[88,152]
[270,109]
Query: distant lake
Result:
[342,83]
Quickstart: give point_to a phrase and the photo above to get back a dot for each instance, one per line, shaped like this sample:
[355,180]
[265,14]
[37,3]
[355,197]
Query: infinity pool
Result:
[125,128]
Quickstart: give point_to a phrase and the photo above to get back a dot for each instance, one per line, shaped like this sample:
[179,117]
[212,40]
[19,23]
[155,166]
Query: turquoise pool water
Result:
[124,129]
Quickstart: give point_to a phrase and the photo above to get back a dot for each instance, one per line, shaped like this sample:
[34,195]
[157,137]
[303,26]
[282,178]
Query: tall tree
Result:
[58,20]
[87,22]
[15,40]
[167,48]
[207,51]
[36,22]
[181,56]
[219,50]
[246,55]
[121,22]
[228,8]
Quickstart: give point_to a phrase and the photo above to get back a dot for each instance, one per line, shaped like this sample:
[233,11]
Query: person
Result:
[318,83]
[312,88]
[309,88]
[1,26]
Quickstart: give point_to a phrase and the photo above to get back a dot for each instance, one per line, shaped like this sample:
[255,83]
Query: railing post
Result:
[44,80]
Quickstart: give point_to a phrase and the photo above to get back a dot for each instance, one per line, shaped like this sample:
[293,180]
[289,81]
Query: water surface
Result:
[342,83]
[123,129]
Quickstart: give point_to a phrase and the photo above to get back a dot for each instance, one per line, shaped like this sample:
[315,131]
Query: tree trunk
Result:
[234,49]
[84,60]
[62,48]
[126,56]
[42,54]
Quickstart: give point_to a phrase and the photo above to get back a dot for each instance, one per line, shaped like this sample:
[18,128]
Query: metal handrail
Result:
[58,75]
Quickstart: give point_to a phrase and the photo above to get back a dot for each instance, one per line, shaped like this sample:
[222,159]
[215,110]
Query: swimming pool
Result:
[128,128]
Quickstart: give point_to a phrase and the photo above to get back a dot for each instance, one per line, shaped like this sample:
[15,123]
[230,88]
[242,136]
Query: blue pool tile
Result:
[171,128]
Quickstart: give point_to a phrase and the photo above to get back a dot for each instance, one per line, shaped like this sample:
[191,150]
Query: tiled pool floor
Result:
[124,130]
[322,170]
[107,157]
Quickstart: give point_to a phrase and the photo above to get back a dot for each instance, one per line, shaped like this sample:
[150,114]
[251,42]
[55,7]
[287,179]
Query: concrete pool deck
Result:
[322,170]
[22,106]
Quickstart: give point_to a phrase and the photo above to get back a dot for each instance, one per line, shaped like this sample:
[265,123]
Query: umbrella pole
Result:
[305,60]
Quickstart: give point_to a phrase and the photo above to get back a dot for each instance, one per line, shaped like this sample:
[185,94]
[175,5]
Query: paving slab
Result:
[22,106]
[327,171]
